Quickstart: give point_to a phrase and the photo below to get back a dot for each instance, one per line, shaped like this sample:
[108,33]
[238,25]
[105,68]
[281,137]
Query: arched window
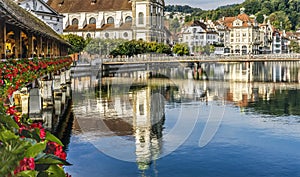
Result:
[75,21]
[88,36]
[110,20]
[125,34]
[141,18]
[92,20]
[107,35]
[128,19]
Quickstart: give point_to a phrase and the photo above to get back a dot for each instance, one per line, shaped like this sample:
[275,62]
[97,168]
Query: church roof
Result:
[75,6]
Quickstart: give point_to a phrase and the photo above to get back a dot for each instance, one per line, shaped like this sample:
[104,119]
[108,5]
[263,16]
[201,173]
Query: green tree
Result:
[163,48]
[280,20]
[260,17]
[294,47]
[102,46]
[266,7]
[181,49]
[252,6]
[212,48]
[131,48]
[291,9]
[77,42]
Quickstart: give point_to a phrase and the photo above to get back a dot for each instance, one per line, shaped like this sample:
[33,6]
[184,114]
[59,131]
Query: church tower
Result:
[148,23]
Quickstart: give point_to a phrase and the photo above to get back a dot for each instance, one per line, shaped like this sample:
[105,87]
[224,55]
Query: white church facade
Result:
[113,19]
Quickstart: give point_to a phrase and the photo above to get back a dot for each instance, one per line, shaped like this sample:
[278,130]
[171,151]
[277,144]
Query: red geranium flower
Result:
[25,164]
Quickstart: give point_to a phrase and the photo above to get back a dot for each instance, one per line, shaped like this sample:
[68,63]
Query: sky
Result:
[203,4]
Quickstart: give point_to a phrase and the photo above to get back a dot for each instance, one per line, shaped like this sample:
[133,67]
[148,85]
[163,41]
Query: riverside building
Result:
[113,19]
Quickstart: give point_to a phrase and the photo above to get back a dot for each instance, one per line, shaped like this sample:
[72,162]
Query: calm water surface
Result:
[132,125]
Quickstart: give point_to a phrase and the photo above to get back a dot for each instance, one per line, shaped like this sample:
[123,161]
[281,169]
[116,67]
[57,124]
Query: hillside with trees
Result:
[283,14]
[183,9]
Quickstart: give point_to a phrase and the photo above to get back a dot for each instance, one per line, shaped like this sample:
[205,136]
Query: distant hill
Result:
[179,8]
[283,14]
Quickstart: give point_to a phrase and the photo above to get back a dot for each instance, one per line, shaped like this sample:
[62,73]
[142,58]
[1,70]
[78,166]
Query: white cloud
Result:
[203,4]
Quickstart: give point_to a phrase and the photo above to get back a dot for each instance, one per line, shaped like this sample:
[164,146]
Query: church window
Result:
[107,35]
[125,34]
[141,18]
[128,19]
[92,20]
[88,36]
[110,20]
[75,21]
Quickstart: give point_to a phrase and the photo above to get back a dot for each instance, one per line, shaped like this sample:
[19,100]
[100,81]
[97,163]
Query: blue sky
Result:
[203,4]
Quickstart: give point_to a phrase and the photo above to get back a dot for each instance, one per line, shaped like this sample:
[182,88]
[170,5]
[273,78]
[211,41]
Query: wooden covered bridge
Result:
[23,35]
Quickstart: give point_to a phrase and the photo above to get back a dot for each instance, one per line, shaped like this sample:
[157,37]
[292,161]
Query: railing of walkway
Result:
[203,57]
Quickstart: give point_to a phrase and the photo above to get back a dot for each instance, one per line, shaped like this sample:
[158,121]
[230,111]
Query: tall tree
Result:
[77,42]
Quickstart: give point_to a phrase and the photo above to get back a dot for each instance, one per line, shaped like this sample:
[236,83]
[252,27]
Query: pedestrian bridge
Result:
[202,58]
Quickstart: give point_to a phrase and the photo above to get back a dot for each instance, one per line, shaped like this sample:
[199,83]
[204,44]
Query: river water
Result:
[238,119]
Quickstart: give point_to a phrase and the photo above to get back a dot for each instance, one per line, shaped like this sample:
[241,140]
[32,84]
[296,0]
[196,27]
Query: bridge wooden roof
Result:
[17,16]
[75,6]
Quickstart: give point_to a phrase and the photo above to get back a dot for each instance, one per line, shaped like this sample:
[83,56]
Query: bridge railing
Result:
[203,57]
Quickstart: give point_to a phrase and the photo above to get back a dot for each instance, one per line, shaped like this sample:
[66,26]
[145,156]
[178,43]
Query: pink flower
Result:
[42,133]
[40,127]
[25,164]
[11,110]
[56,149]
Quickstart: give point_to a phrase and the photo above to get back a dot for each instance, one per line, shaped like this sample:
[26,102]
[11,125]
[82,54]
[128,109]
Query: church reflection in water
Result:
[123,108]
[135,106]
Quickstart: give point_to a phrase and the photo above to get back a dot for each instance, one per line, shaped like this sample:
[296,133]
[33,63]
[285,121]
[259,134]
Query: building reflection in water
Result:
[254,71]
[140,105]
[135,106]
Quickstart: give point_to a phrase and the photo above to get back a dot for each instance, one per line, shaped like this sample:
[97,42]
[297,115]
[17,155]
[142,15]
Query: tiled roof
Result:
[75,6]
[198,23]
[228,21]
[17,16]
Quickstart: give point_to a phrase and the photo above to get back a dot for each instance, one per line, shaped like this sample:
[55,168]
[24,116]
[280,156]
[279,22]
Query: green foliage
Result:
[294,47]
[25,145]
[280,20]
[131,48]
[11,151]
[207,49]
[181,49]
[78,43]
[27,173]
[287,12]
[35,149]
[179,8]
[102,46]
